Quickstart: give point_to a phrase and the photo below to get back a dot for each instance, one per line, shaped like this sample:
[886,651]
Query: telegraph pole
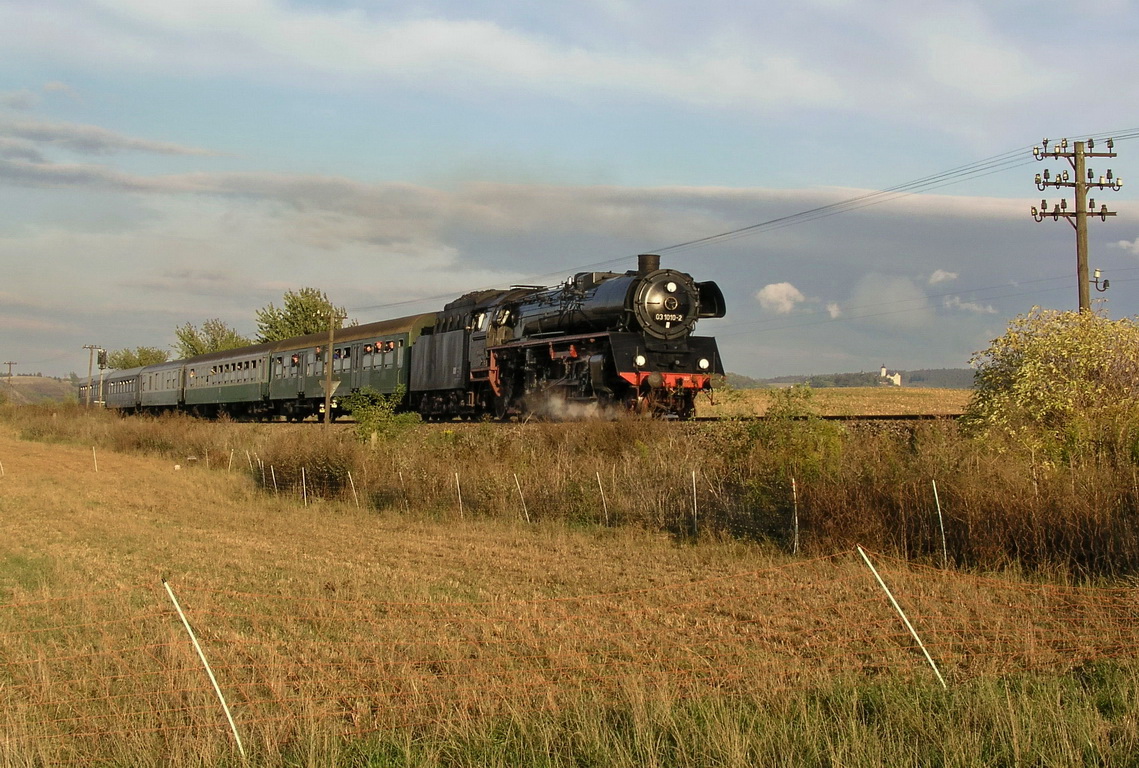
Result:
[9,363]
[90,369]
[1083,180]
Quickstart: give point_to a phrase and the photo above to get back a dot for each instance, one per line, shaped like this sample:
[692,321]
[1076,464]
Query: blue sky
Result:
[169,162]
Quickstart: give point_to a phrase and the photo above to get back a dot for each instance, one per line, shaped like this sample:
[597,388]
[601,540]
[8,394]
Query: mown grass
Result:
[90,539]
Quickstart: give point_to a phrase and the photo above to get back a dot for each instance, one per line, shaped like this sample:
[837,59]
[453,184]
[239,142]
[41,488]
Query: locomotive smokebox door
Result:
[666,304]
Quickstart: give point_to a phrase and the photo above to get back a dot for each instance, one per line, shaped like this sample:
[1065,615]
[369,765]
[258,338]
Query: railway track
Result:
[849,418]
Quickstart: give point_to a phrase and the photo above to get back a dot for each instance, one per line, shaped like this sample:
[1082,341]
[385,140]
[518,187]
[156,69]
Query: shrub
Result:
[377,415]
[1059,382]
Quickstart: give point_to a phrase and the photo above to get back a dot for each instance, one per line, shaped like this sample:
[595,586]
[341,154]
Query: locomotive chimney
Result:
[648,262]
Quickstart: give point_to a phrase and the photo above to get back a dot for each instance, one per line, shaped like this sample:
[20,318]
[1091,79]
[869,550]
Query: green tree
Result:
[213,336]
[121,359]
[302,312]
[1059,381]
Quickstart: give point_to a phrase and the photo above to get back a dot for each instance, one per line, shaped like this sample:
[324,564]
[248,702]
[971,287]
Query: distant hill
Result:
[739,381]
[24,390]
[934,378]
[942,378]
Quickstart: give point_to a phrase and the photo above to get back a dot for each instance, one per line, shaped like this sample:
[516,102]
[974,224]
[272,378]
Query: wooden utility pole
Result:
[1078,217]
[9,363]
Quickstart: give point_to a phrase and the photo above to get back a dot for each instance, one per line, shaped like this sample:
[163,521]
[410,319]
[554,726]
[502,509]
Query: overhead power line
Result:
[978,169]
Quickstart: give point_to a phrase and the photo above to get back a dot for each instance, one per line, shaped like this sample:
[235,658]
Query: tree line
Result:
[301,312]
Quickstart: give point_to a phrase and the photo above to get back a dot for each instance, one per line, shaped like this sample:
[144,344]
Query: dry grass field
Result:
[416,636]
[36,389]
[844,401]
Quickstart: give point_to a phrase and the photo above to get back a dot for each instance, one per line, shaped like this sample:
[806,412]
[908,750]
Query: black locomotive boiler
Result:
[622,339]
[599,340]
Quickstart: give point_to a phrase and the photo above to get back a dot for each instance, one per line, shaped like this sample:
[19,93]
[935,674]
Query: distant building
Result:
[887,379]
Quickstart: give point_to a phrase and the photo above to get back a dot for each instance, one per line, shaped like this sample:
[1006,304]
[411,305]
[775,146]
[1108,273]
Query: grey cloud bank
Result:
[841,291]
[168,162]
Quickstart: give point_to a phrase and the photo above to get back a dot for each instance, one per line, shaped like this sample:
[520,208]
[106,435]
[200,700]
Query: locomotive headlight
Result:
[639,361]
[703,363]
[670,287]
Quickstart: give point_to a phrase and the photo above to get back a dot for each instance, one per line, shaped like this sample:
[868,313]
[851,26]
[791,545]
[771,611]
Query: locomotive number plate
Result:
[668,317]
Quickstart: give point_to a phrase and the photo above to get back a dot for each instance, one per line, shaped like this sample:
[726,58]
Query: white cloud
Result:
[19,149]
[780,298]
[22,99]
[955,302]
[57,86]
[941,276]
[963,54]
[287,41]
[1131,246]
[14,323]
[893,302]
[834,310]
[89,139]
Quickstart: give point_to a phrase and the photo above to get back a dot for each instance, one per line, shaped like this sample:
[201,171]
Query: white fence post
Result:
[206,664]
[795,507]
[906,621]
[354,496]
[518,485]
[604,503]
[695,521]
[941,523]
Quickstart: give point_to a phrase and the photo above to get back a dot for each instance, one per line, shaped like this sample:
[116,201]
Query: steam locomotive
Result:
[599,340]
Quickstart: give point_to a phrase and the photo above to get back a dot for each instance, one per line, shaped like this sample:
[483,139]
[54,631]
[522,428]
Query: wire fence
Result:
[80,675]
